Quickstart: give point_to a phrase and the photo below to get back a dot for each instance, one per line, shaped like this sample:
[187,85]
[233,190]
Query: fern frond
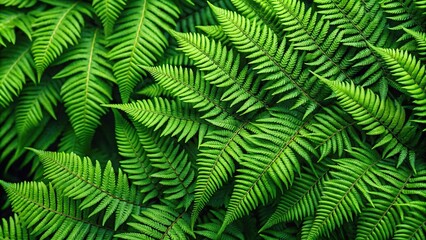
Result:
[135,163]
[310,32]
[85,88]
[270,56]
[414,225]
[421,5]
[404,13]
[363,23]
[174,169]
[215,32]
[108,12]
[380,220]
[279,151]
[138,40]
[78,178]
[214,221]
[410,73]
[223,69]
[69,143]
[159,221]
[18,3]
[302,199]
[420,38]
[29,111]
[343,194]
[192,88]
[55,30]
[216,161]
[50,214]
[9,19]
[13,229]
[332,131]
[16,65]
[176,117]
[378,116]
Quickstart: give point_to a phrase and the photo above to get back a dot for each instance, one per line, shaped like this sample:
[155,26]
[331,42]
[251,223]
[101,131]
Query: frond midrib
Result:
[166,232]
[339,130]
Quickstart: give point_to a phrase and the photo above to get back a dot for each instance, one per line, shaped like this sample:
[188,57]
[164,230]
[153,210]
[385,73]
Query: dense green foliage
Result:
[228,119]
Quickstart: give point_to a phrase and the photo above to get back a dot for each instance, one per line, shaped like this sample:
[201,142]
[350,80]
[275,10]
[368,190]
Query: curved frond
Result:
[269,55]
[159,221]
[135,163]
[176,117]
[13,229]
[378,116]
[50,215]
[9,19]
[278,152]
[410,73]
[78,178]
[154,90]
[139,40]
[222,68]
[16,66]
[29,111]
[55,30]
[174,169]
[404,13]
[85,88]
[413,226]
[302,199]
[343,194]
[420,38]
[211,226]
[108,11]
[192,88]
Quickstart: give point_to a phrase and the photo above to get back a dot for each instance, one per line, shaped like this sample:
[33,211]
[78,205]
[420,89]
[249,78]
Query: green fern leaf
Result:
[85,88]
[211,226]
[378,117]
[9,19]
[343,194]
[49,214]
[223,70]
[332,131]
[269,56]
[410,73]
[135,163]
[160,221]
[55,30]
[154,90]
[380,220]
[138,40]
[176,117]
[16,66]
[404,13]
[29,111]
[13,229]
[302,199]
[270,164]
[174,168]
[413,226]
[191,88]
[215,32]
[78,178]
[18,3]
[108,12]
[420,38]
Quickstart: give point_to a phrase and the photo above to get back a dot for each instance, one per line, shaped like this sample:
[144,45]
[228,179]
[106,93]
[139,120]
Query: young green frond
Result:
[51,215]
[135,163]
[410,73]
[378,116]
[343,194]
[270,56]
[173,168]
[87,86]
[16,65]
[78,178]
[223,70]
[55,30]
[138,40]
[177,118]
[12,228]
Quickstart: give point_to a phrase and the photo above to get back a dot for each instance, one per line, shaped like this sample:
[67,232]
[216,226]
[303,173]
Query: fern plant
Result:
[222,119]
